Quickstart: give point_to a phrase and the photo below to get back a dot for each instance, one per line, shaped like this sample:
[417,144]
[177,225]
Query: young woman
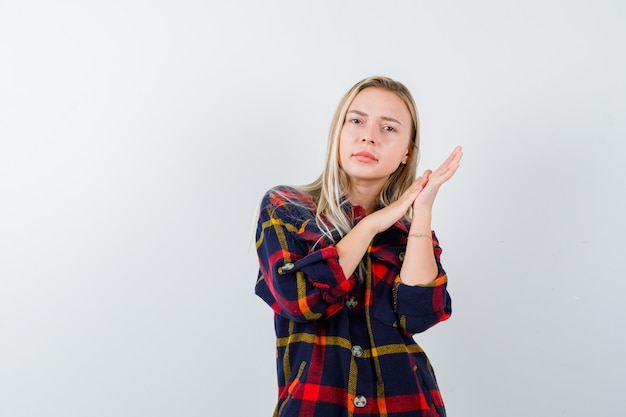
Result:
[351,268]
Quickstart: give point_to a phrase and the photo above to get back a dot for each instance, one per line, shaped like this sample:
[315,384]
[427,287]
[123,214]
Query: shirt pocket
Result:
[384,306]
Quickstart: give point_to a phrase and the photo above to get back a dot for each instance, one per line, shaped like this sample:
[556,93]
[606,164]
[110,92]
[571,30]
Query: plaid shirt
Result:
[345,346]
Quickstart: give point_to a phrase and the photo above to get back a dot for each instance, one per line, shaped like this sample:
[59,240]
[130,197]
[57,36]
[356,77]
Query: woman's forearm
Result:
[419,266]
[352,247]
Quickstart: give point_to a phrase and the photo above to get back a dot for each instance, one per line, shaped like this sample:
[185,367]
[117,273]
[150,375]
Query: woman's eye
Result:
[389,128]
[355,121]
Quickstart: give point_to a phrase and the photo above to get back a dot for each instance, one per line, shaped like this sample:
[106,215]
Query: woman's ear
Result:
[406,156]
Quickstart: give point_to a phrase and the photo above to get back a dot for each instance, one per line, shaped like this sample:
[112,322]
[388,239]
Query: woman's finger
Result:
[450,165]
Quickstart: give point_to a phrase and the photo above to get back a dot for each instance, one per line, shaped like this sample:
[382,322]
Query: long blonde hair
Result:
[329,189]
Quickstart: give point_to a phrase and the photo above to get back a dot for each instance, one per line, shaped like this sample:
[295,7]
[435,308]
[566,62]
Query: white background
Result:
[137,137]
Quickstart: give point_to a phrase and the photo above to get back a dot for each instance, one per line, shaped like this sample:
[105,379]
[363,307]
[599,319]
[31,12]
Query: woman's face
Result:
[375,137]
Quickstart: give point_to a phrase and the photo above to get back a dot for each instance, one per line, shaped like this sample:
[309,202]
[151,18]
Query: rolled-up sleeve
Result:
[299,276]
[420,307]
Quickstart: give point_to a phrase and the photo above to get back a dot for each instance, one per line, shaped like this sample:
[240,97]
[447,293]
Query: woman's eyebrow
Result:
[387,118]
[358,112]
[391,119]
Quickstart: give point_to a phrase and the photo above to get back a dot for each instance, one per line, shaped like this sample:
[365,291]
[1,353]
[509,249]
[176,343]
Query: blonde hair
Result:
[329,189]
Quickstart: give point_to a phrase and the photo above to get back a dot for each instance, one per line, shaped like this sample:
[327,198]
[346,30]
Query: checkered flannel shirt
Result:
[345,345]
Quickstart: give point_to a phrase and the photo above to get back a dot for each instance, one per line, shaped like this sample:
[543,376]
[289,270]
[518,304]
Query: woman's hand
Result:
[421,194]
[384,218]
[433,180]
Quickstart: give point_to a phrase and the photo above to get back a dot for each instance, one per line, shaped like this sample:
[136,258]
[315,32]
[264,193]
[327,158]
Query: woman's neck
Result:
[366,197]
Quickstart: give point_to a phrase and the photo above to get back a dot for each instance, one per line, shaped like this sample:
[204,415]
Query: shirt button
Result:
[357,351]
[401,256]
[360,401]
[352,302]
[288,266]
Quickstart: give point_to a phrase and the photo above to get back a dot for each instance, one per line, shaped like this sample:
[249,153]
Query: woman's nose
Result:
[368,136]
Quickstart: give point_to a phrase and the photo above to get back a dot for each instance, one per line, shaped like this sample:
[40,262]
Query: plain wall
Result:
[137,137]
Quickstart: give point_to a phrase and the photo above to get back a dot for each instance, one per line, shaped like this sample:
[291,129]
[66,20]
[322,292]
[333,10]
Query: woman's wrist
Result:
[368,227]
[421,221]
[422,210]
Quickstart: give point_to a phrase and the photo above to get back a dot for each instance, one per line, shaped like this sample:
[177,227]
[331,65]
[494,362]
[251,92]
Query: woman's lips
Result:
[364,157]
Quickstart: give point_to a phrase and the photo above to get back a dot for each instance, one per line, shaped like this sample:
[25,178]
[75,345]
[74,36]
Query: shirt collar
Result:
[355,213]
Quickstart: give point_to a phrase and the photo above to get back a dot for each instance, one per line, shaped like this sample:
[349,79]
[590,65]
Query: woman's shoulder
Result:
[290,198]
